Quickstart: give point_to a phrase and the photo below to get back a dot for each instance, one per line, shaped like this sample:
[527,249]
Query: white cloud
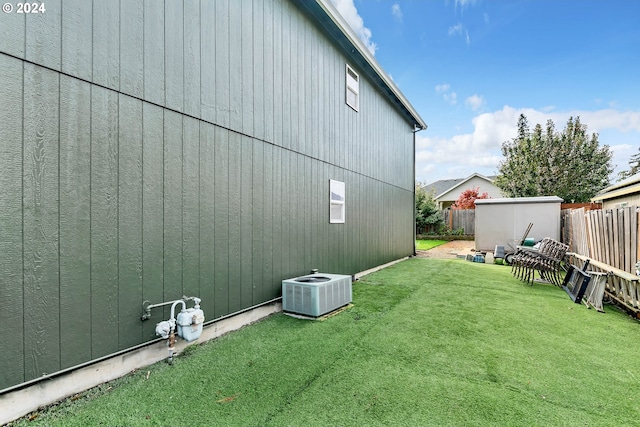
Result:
[460,30]
[479,151]
[464,3]
[451,98]
[456,29]
[348,11]
[445,90]
[623,147]
[475,102]
[396,12]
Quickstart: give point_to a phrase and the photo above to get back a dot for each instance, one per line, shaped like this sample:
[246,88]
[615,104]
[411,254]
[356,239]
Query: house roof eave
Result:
[625,191]
[335,25]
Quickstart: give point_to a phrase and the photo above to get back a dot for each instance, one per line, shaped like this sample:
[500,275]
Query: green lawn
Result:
[425,245]
[428,342]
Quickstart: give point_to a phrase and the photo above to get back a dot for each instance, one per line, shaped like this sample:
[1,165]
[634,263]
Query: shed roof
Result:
[330,20]
[515,200]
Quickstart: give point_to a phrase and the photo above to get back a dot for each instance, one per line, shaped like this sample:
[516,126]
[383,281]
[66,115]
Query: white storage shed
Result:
[504,221]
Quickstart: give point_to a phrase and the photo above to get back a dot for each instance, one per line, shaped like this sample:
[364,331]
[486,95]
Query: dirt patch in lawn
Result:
[448,250]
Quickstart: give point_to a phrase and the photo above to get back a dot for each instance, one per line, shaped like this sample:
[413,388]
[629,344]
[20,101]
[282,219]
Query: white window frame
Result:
[336,202]
[352,87]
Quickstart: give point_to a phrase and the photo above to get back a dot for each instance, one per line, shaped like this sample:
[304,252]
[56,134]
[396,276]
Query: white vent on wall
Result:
[316,294]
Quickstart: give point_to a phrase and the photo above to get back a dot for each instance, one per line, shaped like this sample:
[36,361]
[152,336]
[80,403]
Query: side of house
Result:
[621,194]
[447,191]
[154,149]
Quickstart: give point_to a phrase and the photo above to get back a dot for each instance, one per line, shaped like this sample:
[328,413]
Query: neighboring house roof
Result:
[456,184]
[335,25]
[627,186]
[441,186]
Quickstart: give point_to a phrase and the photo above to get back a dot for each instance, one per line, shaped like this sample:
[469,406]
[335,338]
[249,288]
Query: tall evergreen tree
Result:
[570,164]
[634,167]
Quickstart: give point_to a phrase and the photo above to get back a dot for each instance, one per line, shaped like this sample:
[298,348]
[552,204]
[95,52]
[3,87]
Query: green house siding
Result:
[155,149]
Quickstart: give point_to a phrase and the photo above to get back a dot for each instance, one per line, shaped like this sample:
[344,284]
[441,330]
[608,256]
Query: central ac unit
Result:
[316,294]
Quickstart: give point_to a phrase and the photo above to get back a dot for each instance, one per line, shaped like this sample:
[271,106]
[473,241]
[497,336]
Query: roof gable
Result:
[462,182]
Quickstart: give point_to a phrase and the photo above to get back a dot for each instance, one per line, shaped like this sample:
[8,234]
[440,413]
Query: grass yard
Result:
[428,342]
[425,245]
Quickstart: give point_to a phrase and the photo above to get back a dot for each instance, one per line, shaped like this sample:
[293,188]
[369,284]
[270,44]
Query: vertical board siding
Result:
[247,227]
[247,68]
[173,199]
[234,200]
[191,208]
[222,64]
[286,76]
[43,38]
[11,238]
[40,216]
[221,222]
[192,66]
[279,226]
[294,75]
[207,218]
[265,282]
[255,66]
[278,75]
[153,57]
[259,218]
[12,34]
[75,221]
[77,38]
[106,44]
[208,61]
[132,48]
[285,207]
[152,213]
[104,221]
[129,221]
[186,149]
[267,65]
[235,64]
[174,55]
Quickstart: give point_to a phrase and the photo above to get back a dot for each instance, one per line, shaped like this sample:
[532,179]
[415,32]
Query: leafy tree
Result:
[569,164]
[467,199]
[427,212]
[634,167]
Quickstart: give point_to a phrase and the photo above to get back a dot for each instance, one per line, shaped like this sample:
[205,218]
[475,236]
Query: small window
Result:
[336,202]
[353,89]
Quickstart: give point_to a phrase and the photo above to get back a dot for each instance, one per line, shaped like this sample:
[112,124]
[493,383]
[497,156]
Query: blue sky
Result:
[470,67]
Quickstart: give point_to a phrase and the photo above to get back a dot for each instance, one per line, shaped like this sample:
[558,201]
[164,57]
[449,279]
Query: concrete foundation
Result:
[21,402]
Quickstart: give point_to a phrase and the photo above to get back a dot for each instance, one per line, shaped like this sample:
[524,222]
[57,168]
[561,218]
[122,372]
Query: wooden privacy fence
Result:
[611,238]
[464,219]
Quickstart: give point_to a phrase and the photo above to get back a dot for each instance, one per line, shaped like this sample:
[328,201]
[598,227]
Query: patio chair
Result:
[546,260]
